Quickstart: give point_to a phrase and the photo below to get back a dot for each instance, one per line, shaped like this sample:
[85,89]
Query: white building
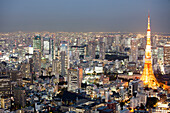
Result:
[72,79]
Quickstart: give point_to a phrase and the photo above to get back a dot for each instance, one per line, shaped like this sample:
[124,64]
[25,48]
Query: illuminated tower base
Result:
[148,77]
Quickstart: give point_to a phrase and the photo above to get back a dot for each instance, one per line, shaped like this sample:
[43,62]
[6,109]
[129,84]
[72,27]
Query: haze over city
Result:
[84,15]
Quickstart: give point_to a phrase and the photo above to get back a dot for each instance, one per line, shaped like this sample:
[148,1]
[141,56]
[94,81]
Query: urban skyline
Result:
[46,70]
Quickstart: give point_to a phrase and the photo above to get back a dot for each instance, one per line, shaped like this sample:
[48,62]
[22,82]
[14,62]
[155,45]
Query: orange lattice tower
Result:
[147,76]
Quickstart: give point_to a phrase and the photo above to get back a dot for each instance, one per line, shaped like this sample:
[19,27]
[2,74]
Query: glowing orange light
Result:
[147,76]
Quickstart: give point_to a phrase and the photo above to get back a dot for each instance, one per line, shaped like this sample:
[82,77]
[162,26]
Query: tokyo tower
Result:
[148,77]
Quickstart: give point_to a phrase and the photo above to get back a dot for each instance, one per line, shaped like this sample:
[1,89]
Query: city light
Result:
[51,61]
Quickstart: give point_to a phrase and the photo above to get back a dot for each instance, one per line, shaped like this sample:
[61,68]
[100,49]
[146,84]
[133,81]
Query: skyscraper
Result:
[37,42]
[72,79]
[167,58]
[37,53]
[134,50]
[147,76]
[53,47]
[102,50]
[64,58]
[80,76]
[91,49]
[63,63]
[46,46]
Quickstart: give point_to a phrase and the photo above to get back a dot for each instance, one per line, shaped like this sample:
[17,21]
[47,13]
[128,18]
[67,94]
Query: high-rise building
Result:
[160,59]
[52,47]
[19,96]
[128,42]
[49,48]
[147,76]
[78,52]
[122,44]
[37,53]
[55,71]
[25,69]
[37,62]
[80,77]
[141,54]
[46,46]
[91,49]
[102,50]
[37,43]
[63,63]
[160,54]
[5,82]
[78,41]
[167,58]
[134,50]
[117,42]
[154,57]
[31,69]
[72,79]
[5,85]
[64,59]
[154,40]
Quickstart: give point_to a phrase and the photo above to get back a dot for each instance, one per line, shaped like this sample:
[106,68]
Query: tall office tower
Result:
[55,71]
[154,57]
[109,42]
[52,46]
[80,77]
[54,67]
[91,49]
[105,40]
[134,50]
[55,62]
[75,53]
[72,79]
[78,41]
[102,50]
[46,47]
[160,57]
[122,45]
[31,69]
[64,58]
[37,62]
[37,42]
[25,69]
[128,42]
[117,42]
[37,53]
[141,54]
[78,52]
[167,58]
[154,40]
[63,63]
[147,76]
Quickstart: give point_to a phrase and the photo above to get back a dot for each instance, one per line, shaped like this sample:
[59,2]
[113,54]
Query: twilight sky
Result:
[84,15]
